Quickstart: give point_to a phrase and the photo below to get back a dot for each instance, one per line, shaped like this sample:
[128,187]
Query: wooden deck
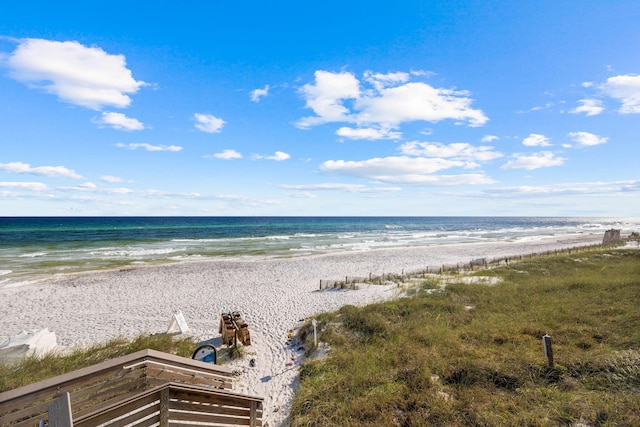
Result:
[141,387]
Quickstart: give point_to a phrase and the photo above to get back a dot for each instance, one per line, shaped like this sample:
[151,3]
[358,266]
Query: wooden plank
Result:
[177,387]
[92,392]
[190,369]
[62,380]
[135,417]
[22,397]
[25,413]
[172,375]
[60,412]
[189,363]
[157,380]
[110,393]
[108,403]
[208,418]
[31,422]
[152,369]
[180,424]
[118,410]
[152,421]
[181,405]
[211,399]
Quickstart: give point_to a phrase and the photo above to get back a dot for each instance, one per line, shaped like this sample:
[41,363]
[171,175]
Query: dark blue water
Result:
[38,247]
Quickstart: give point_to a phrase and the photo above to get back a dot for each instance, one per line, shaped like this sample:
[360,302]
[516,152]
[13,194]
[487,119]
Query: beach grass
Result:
[472,354]
[37,368]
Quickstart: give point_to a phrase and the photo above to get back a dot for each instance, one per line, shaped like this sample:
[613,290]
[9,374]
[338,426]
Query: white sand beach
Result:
[272,294]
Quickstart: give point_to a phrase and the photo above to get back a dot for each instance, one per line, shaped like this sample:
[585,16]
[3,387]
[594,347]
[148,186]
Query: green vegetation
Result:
[472,355]
[33,369]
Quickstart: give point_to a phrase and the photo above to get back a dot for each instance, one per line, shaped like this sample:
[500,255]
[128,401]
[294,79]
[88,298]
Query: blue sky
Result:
[331,108]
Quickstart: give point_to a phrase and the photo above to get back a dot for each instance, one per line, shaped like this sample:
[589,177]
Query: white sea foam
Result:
[3,272]
[33,255]
[133,252]
[278,237]
[19,284]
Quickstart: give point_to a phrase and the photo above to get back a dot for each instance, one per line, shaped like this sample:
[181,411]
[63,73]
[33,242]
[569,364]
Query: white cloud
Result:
[302,195]
[277,156]
[388,166]
[391,100]
[368,133]
[564,189]
[120,190]
[625,88]
[50,171]
[489,138]
[208,123]
[351,188]
[543,159]
[586,139]
[440,180]
[227,155]
[591,107]
[546,106]
[380,81]
[417,101]
[258,94]
[405,170]
[149,147]
[77,74]
[110,178]
[536,140]
[31,186]
[459,151]
[326,95]
[119,121]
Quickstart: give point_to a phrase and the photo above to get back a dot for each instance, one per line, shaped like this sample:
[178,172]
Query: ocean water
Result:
[34,248]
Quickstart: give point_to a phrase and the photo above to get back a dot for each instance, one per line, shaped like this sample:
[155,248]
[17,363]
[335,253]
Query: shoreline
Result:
[53,277]
[273,294]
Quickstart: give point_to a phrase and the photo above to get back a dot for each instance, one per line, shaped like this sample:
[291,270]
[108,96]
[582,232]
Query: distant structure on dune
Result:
[612,237]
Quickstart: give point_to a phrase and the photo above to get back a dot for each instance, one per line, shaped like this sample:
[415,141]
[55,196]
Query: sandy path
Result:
[273,295]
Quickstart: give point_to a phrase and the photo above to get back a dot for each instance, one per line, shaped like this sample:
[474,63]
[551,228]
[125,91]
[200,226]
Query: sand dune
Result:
[272,294]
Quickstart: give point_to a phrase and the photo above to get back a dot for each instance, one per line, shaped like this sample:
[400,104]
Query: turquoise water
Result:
[39,247]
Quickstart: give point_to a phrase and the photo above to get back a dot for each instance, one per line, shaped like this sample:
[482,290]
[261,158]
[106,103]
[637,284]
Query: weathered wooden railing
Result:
[124,381]
[174,404]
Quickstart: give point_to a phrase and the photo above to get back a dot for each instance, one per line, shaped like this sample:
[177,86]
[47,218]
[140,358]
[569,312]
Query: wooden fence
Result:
[135,383]
[174,404]
[351,282]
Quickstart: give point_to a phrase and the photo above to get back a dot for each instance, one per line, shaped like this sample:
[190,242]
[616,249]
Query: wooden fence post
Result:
[548,349]
[60,412]
[253,416]
[164,407]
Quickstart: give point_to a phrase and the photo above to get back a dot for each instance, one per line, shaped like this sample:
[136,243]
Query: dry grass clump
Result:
[473,355]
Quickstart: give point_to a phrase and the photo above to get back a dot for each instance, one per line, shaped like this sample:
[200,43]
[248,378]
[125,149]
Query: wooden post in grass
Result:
[548,349]
[315,337]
